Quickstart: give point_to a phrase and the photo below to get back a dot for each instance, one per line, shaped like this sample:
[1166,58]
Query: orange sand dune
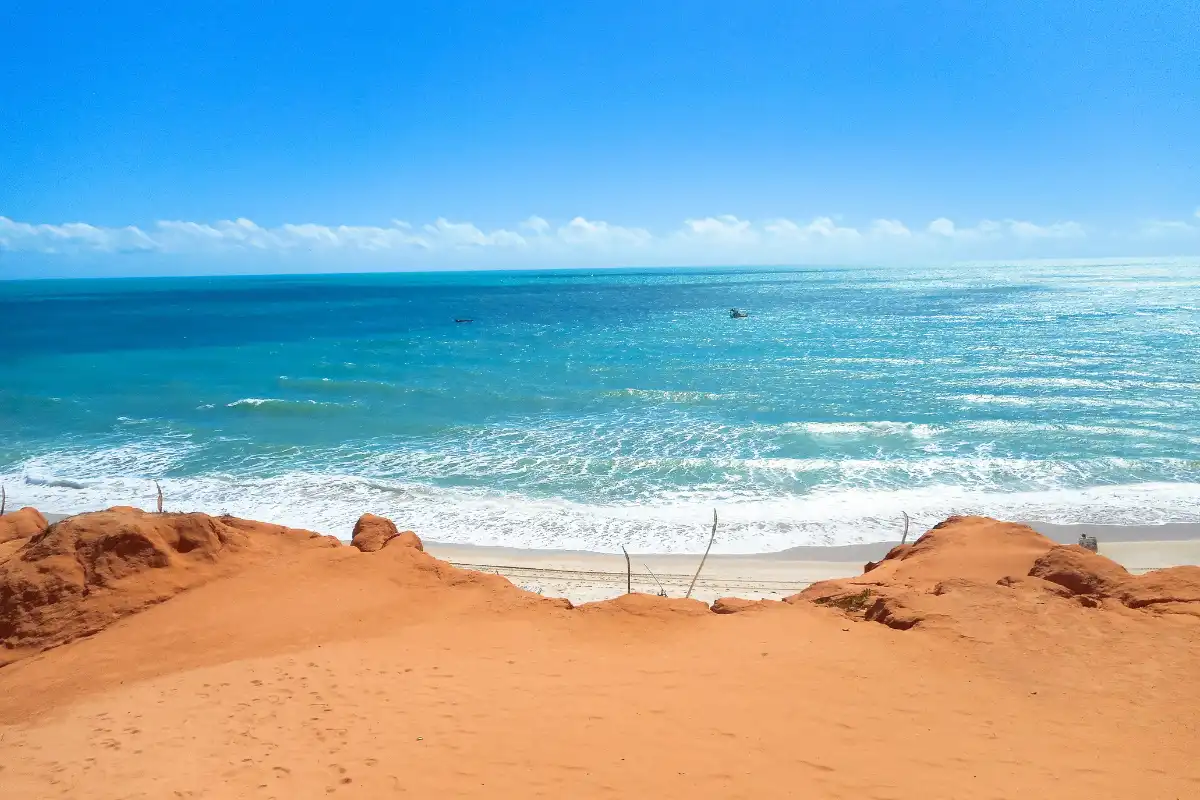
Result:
[186,656]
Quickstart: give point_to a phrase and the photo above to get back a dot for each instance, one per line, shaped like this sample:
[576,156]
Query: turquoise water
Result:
[594,409]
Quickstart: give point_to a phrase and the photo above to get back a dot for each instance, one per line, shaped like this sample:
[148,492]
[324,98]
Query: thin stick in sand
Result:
[662,592]
[628,572]
[699,568]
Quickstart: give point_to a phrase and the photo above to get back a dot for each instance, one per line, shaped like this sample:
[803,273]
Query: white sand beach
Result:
[587,576]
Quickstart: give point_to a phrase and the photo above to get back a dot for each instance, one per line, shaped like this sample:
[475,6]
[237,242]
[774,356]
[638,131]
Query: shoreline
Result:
[584,576]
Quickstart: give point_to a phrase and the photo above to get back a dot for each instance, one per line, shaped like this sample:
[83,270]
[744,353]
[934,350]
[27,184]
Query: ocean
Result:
[595,409]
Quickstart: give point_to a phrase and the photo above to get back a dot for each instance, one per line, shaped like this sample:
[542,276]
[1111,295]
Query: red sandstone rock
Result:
[21,524]
[85,572]
[736,605]
[897,553]
[978,548]
[407,539]
[373,533]
[1080,571]
[1165,590]
[972,548]
[951,574]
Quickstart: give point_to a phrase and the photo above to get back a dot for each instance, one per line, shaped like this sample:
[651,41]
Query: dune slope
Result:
[188,656]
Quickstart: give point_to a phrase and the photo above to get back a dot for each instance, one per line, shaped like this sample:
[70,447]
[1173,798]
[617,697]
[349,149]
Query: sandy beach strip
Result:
[586,576]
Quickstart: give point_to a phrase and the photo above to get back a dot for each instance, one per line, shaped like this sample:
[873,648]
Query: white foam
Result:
[1065,400]
[871,428]
[669,395]
[896,362]
[151,456]
[257,401]
[1004,426]
[280,405]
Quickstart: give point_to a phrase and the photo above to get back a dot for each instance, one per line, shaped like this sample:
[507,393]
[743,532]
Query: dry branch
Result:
[692,585]
[661,591]
[628,572]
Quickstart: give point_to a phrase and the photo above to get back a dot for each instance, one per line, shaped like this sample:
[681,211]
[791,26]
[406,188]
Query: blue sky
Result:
[245,137]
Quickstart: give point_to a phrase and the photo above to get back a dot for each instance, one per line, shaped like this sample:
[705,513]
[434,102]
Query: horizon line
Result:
[1104,261]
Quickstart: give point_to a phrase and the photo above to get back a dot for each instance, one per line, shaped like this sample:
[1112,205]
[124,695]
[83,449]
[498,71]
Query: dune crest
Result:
[21,524]
[76,577]
[968,557]
[79,575]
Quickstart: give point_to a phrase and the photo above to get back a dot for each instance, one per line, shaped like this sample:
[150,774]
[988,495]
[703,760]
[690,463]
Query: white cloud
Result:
[71,237]
[1168,228]
[583,231]
[890,227]
[943,227]
[464,234]
[725,229]
[699,240]
[1179,230]
[1016,228]
[1057,230]
[536,224]
[177,236]
[359,237]
[785,230]
[825,226]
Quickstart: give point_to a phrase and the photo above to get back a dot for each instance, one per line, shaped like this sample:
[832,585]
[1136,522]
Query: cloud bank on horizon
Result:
[724,239]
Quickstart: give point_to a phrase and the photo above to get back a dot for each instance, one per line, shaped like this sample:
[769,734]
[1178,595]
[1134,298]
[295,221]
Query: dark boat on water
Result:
[464,320]
[737,313]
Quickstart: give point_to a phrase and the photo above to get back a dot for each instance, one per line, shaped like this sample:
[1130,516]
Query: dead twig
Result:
[628,572]
[904,538]
[159,488]
[661,591]
[692,585]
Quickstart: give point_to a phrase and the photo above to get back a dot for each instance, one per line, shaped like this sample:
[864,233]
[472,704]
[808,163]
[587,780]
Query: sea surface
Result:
[594,409]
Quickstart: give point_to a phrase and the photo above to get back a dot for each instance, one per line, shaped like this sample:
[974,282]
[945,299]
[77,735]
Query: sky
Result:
[243,137]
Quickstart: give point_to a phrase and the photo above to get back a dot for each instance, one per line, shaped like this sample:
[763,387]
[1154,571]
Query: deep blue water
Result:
[593,409]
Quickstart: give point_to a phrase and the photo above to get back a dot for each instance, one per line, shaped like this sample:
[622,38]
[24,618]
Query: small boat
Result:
[737,313]
[464,320]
